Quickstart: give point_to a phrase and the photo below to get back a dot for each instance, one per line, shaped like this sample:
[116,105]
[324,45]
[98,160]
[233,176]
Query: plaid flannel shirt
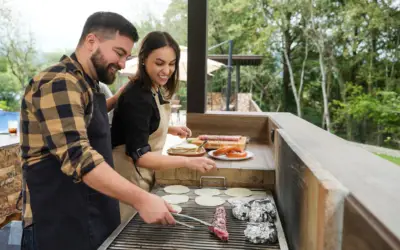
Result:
[56,110]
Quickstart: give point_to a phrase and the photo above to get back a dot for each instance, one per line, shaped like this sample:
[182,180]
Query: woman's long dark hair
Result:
[152,41]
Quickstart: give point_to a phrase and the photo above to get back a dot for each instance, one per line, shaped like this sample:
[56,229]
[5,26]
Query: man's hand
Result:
[155,210]
[181,131]
[201,164]
[151,208]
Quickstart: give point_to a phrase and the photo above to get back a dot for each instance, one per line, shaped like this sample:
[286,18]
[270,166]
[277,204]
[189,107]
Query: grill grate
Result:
[138,235]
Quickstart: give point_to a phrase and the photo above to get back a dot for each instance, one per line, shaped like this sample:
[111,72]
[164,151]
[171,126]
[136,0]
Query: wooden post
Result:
[197,56]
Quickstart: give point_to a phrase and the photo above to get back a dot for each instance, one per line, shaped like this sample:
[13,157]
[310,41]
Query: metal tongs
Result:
[209,226]
[201,145]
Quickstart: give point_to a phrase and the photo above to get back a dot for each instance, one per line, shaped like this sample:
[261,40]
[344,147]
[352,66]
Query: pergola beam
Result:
[197,56]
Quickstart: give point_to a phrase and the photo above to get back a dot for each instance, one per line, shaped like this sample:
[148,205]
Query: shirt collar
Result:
[74,66]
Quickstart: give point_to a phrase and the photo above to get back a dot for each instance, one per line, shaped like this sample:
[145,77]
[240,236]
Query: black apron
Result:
[68,215]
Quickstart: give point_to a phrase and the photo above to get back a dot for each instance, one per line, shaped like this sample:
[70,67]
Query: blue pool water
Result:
[5,117]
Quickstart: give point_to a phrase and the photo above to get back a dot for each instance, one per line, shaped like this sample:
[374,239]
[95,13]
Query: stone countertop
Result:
[8,140]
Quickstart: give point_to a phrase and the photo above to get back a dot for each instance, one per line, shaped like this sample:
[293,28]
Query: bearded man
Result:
[72,191]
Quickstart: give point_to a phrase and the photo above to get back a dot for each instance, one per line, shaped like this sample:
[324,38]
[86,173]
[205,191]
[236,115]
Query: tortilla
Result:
[209,201]
[207,192]
[175,198]
[238,192]
[177,208]
[176,189]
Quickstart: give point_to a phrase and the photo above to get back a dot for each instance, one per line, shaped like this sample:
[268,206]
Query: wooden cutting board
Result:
[217,144]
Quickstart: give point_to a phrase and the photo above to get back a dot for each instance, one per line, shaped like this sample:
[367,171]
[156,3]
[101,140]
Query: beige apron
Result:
[124,164]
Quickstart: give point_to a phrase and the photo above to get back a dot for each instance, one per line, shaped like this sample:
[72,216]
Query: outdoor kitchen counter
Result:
[262,159]
[256,172]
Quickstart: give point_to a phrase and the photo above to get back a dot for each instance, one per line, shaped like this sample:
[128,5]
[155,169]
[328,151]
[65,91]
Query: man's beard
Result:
[102,69]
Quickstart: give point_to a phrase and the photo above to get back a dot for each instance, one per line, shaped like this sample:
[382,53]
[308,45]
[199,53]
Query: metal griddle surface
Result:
[138,235]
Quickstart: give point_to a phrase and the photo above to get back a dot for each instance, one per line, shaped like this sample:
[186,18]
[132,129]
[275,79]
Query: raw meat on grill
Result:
[218,227]
[219,137]
[259,233]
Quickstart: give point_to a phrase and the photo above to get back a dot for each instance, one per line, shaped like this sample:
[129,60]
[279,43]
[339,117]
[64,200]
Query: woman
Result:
[141,118]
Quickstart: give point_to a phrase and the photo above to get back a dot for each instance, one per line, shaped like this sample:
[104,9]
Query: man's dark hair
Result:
[106,25]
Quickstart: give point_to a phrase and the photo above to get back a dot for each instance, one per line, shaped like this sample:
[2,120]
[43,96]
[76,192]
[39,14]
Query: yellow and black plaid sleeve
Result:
[59,107]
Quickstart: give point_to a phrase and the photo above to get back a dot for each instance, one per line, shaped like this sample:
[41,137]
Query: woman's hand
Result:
[120,90]
[112,101]
[181,131]
[201,164]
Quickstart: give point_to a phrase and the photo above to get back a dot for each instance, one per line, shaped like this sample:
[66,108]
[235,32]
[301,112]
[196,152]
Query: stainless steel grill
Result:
[135,234]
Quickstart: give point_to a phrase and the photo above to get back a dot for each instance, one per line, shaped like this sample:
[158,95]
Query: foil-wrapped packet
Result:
[260,233]
[241,210]
[258,215]
[262,210]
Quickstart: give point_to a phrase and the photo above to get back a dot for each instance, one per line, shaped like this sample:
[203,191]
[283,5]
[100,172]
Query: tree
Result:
[315,54]
[18,52]
[175,21]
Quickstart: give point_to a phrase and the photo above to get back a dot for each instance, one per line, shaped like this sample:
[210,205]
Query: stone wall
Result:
[243,102]
[10,181]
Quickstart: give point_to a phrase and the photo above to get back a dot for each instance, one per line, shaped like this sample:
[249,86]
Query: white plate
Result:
[223,157]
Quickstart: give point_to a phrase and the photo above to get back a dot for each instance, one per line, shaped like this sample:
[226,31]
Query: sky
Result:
[57,25]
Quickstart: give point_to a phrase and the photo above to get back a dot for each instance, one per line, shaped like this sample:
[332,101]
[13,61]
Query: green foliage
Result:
[51,58]
[381,109]
[395,160]
[182,95]
[3,65]
[10,91]
[357,42]
[175,21]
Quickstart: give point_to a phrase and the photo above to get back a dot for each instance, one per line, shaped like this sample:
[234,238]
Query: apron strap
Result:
[139,153]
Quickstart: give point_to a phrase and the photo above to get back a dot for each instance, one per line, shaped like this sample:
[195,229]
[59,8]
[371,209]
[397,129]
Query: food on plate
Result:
[176,189]
[231,152]
[238,192]
[236,154]
[224,150]
[259,233]
[207,192]
[217,141]
[184,148]
[218,227]
[220,137]
[175,198]
[209,201]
